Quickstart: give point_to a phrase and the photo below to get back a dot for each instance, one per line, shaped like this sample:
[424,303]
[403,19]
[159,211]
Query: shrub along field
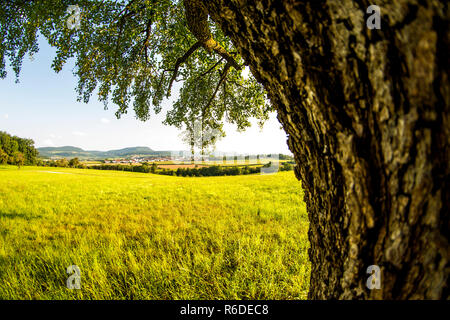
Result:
[146,236]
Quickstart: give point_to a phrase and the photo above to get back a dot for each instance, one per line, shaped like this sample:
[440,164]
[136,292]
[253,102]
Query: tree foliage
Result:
[62,163]
[17,151]
[132,52]
[74,163]
[18,159]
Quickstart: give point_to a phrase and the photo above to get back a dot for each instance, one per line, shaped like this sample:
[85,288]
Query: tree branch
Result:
[211,69]
[148,32]
[224,94]
[197,20]
[179,62]
[222,80]
[213,45]
[161,80]
[121,16]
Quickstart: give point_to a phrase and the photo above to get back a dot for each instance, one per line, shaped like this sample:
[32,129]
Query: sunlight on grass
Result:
[144,236]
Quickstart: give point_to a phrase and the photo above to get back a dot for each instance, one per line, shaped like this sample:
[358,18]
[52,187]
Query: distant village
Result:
[138,160]
[184,158]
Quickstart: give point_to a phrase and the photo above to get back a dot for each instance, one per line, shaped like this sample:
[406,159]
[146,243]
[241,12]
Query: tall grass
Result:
[144,236]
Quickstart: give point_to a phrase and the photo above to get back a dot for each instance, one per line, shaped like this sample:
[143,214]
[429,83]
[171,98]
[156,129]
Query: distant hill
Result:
[66,148]
[72,152]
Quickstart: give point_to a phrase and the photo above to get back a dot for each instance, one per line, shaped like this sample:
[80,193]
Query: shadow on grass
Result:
[15,215]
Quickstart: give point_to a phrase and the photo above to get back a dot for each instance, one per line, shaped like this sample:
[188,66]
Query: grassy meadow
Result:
[146,236]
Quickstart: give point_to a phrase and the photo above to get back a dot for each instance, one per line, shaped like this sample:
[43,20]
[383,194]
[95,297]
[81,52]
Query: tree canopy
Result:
[15,150]
[132,52]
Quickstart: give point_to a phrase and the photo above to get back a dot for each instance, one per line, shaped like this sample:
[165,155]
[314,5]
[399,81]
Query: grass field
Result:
[145,236]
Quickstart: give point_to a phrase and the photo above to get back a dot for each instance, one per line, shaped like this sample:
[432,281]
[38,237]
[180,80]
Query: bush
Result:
[19,159]
[287,166]
[215,171]
[208,171]
[74,163]
[3,157]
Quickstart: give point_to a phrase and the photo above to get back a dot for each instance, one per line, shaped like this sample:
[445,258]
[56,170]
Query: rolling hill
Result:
[72,152]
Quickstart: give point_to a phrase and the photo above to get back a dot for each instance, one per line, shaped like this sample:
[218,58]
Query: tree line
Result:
[183,172]
[17,151]
[62,163]
[208,171]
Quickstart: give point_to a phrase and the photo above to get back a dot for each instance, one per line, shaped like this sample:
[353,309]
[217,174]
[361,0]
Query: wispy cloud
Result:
[104,120]
[6,116]
[49,143]
[79,133]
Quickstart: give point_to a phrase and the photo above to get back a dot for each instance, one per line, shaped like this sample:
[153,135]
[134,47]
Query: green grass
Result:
[145,236]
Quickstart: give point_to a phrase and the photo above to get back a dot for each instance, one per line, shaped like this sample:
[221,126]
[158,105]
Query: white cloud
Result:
[104,120]
[49,143]
[6,116]
[79,133]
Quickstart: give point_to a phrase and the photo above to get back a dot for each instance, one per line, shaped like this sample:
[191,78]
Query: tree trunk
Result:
[367,117]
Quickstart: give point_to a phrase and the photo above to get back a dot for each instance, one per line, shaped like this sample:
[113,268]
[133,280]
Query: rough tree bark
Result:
[367,118]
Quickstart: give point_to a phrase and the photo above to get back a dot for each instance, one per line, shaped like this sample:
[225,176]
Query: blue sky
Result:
[43,107]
